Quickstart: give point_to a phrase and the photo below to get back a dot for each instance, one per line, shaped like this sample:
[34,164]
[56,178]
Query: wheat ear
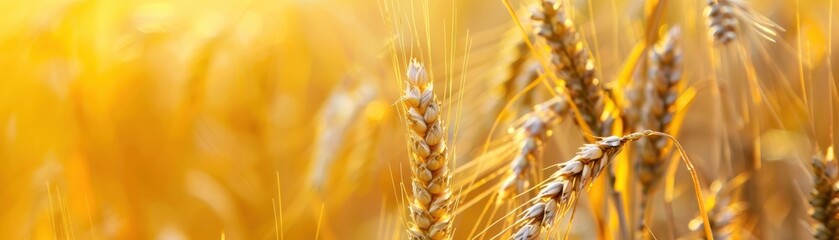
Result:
[663,87]
[722,23]
[531,134]
[724,17]
[430,207]
[559,193]
[824,198]
[571,62]
[335,119]
[565,185]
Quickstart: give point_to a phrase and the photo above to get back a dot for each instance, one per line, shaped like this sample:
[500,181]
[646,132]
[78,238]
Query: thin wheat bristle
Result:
[824,198]
[531,135]
[556,196]
[418,119]
[430,207]
[571,61]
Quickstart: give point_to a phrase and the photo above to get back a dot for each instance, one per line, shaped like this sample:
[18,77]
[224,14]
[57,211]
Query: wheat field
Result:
[418,119]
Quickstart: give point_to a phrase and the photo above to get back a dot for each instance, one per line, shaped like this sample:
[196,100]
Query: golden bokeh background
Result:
[231,119]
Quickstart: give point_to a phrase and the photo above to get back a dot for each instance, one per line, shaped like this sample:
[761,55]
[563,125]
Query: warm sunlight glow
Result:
[418,119]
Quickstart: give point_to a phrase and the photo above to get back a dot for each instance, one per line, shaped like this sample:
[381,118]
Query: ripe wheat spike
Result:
[431,204]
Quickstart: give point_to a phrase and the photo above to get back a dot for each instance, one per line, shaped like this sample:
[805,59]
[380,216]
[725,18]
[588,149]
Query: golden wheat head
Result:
[430,208]
[571,61]
[532,133]
[558,194]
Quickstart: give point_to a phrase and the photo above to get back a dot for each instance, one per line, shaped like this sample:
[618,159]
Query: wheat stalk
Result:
[532,133]
[824,198]
[572,62]
[663,87]
[430,207]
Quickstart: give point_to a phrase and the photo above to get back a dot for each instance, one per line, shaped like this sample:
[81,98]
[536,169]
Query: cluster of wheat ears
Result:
[418,119]
[637,116]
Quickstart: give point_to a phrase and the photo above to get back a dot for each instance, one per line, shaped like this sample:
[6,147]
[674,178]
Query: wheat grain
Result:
[571,63]
[824,198]
[430,207]
[532,133]
[557,195]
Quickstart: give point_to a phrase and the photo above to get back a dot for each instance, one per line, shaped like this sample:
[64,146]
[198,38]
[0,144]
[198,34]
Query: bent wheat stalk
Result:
[430,207]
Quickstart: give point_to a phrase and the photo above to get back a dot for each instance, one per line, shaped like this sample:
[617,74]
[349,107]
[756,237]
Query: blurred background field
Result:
[244,119]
